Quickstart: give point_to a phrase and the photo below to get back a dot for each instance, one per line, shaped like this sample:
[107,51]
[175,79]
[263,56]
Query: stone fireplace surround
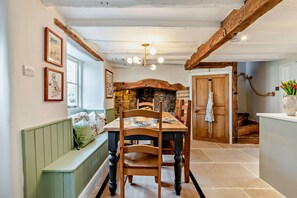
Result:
[146,90]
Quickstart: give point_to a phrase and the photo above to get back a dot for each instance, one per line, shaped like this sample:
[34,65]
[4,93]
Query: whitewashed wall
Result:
[265,77]
[26,21]
[172,74]
[5,154]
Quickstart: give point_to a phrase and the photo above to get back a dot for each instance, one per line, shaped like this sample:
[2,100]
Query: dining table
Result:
[172,129]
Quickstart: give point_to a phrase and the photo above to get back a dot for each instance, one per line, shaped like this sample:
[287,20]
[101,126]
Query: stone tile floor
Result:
[222,171]
[227,171]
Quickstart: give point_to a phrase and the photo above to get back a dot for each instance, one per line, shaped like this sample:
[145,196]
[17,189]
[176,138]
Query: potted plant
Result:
[290,97]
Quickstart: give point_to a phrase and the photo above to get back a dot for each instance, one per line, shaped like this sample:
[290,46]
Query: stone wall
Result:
[129,98]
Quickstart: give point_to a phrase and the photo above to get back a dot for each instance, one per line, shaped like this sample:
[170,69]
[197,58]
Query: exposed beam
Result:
[143,3]
[235,22]
[77,39]
[142,23]
[203,65]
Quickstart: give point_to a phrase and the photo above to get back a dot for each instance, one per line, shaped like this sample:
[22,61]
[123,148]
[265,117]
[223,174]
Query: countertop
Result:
[278,116]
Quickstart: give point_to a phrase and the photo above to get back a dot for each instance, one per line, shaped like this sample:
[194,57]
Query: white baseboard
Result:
[96,181]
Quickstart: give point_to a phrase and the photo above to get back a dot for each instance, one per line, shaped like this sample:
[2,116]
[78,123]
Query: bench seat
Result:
[68,175]
[51,166]
[74,158]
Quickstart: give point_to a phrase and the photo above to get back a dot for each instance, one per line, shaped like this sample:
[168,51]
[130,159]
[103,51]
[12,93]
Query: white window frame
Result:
[79,80]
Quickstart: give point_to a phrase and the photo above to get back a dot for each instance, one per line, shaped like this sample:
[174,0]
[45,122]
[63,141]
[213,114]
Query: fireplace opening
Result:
[147,91]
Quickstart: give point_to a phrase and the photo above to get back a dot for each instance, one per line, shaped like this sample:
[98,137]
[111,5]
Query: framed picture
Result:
[53,85]
[53,48]
[108,84]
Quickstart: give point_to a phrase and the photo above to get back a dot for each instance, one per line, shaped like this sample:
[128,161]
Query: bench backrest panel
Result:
[41,146]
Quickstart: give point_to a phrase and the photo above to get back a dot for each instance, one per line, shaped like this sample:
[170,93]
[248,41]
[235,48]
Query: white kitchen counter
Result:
[278,116]
[278,152]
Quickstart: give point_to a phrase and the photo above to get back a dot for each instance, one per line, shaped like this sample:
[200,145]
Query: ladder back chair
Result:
[139,159]
[184,116]
[146,104]
[178,110]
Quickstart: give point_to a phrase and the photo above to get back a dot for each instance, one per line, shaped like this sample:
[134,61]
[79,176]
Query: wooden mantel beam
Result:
[77,39]
[235,22]
[148,83]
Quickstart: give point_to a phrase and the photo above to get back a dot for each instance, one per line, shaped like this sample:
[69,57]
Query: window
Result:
[73,85]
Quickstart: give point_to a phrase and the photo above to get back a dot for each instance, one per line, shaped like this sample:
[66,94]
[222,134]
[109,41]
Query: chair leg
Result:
[122,185]
[187,168]
[159,185]
[156,179]
[130,178]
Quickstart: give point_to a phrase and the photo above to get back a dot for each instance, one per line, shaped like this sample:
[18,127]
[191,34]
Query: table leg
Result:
[178,145]
[112,148]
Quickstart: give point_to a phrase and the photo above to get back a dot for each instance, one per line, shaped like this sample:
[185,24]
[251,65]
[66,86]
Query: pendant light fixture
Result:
[137,60]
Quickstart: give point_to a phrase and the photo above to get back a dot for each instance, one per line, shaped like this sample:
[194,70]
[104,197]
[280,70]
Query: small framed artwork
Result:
[108,84]
[53,85]
[53,47]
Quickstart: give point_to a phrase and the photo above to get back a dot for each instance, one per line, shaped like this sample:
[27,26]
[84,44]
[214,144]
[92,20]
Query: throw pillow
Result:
[82,134]
[79,116]
[99,120]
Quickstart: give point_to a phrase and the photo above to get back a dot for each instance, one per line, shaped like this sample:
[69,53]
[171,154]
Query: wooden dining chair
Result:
[178,104]
[139,159]
[168,147]
[146,104]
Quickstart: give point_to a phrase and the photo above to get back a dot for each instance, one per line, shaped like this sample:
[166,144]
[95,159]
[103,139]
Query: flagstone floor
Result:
[222,171]
[227,171]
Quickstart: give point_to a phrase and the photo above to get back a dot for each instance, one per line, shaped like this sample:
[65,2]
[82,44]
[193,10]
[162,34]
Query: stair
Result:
[248,131]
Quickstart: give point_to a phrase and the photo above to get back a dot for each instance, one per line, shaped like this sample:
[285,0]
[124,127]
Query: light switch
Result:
[28,71]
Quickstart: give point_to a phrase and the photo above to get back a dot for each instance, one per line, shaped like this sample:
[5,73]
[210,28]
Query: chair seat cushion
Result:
[141,160]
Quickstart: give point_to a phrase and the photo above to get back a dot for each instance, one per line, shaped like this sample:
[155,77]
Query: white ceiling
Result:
[176,28]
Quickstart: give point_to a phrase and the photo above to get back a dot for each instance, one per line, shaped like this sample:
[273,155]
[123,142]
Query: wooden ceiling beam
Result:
[204,65]
[77,39]
[142,3]
[235,22]
[142,23]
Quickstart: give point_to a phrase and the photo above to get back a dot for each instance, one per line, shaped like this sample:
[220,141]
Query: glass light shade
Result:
[160,60]
[129,60]
[135,59]
[153,67]
[153,51]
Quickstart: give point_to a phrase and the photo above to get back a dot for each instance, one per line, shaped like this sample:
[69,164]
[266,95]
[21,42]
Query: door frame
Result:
[209,72]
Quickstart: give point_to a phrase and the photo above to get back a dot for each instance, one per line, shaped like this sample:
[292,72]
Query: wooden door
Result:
[218,131]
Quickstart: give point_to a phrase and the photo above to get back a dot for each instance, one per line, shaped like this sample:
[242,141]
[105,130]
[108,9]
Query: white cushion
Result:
[98,120]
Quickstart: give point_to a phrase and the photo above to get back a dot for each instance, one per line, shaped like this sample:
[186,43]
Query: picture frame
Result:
[53,48]
[53,85]
[108,84]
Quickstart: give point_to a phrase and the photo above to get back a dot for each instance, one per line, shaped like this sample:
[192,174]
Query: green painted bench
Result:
[52,168]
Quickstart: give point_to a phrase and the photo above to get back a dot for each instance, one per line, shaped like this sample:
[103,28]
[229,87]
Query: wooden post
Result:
[234,104]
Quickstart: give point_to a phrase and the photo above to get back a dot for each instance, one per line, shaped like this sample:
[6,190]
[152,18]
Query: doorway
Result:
[218,130]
